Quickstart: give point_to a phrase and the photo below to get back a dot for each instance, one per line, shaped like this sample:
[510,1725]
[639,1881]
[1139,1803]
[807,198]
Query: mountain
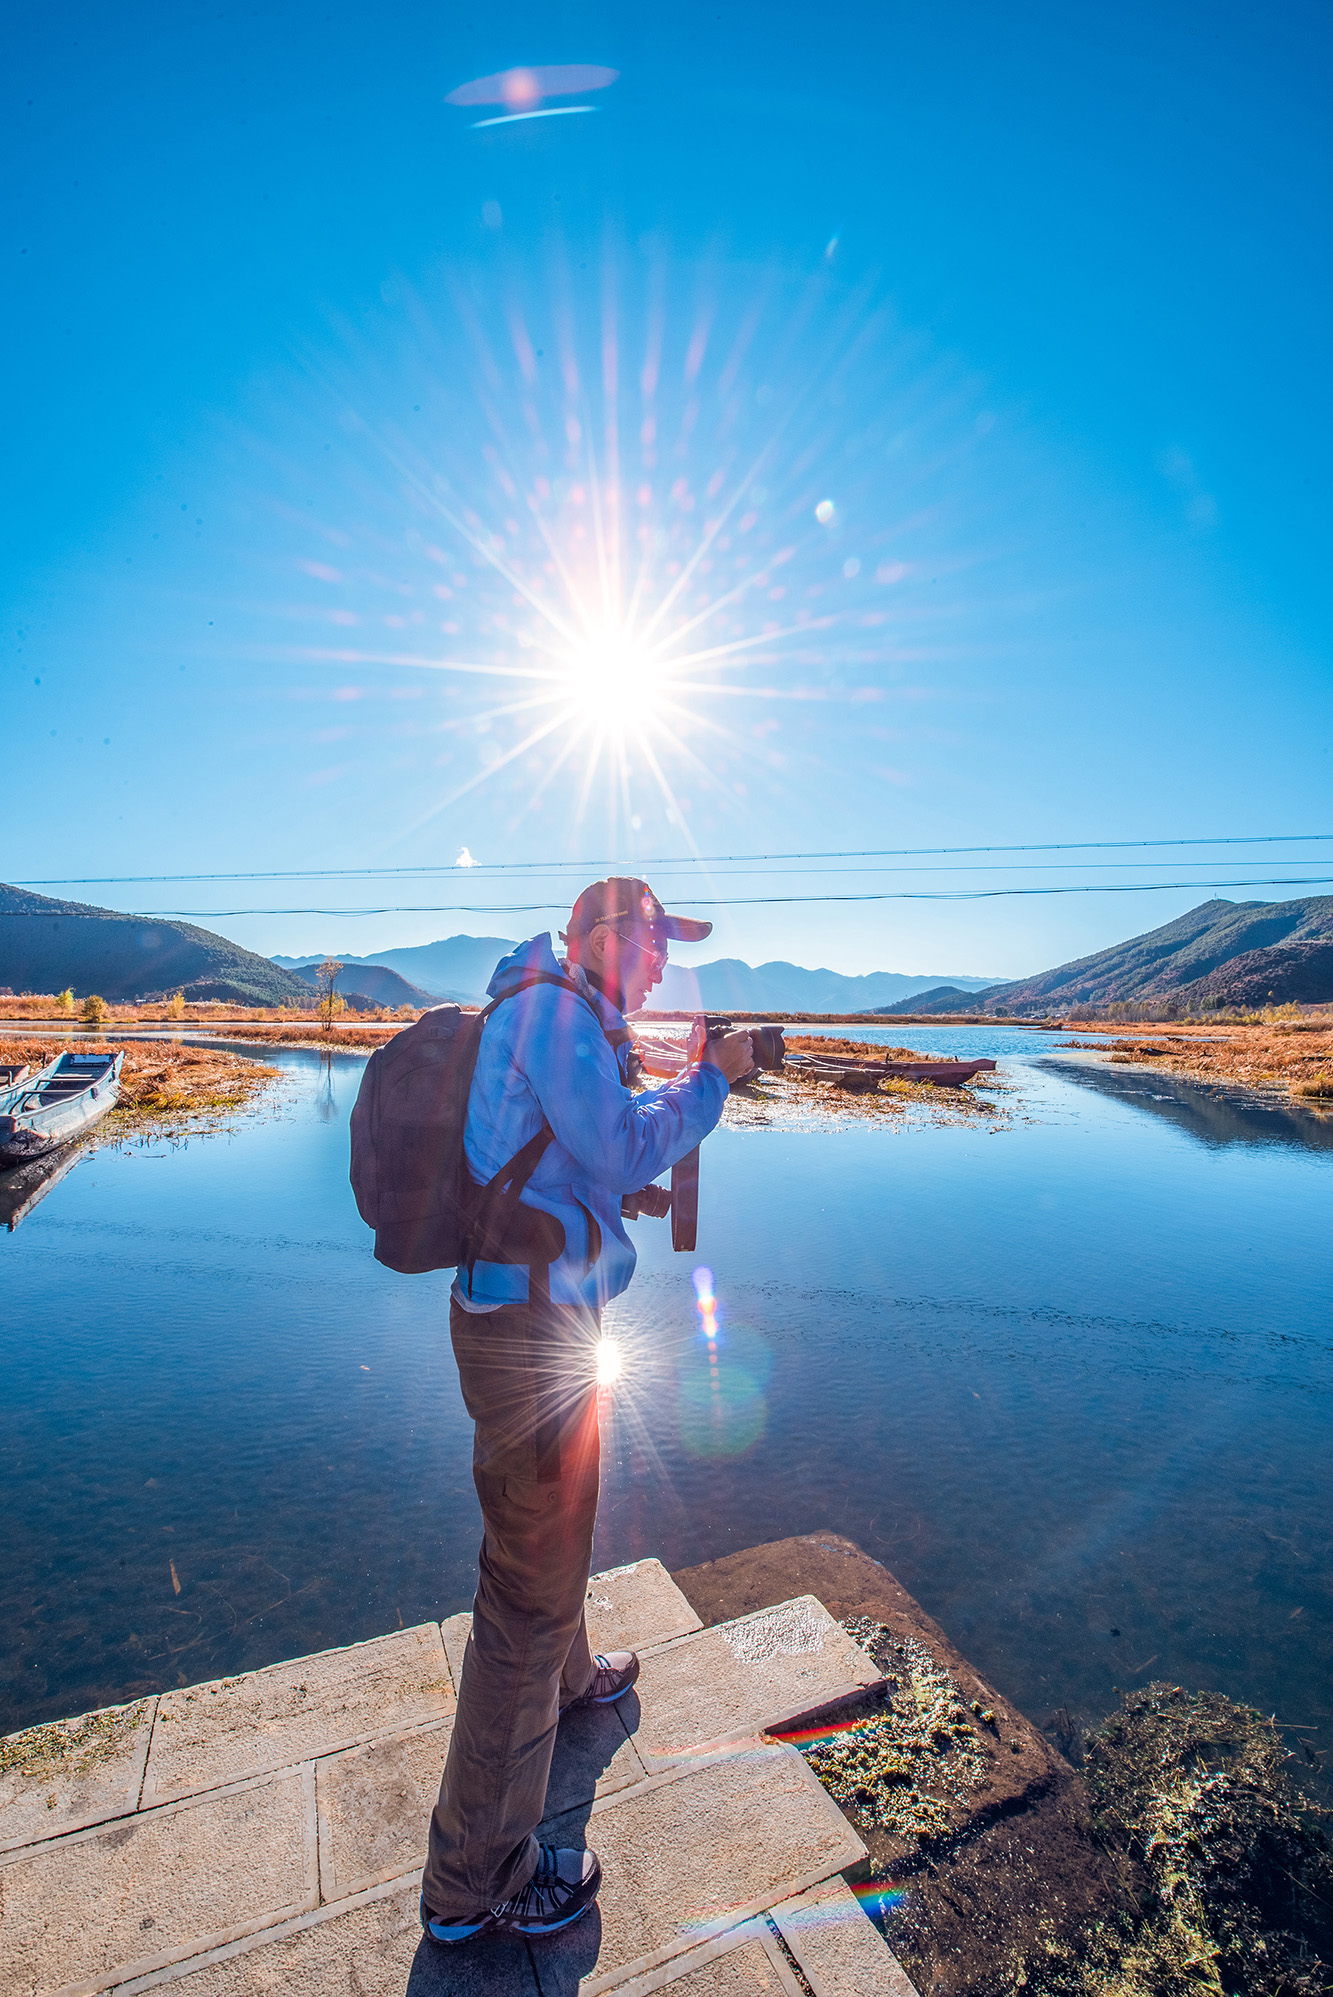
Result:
[1223,953]
[460,967]
[46,945]
[941,998]
[457,967]
[373,981]
[729,985]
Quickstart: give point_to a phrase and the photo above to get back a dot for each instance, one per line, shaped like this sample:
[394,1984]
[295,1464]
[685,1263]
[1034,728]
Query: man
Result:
[556,1137]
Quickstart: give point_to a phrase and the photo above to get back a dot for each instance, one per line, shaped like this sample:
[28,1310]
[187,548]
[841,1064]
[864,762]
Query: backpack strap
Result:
[500,1229]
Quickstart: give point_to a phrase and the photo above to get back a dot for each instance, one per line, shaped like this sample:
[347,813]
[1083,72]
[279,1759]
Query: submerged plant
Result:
[1232,1872]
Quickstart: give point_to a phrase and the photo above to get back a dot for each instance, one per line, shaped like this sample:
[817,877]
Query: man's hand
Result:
[732,1053]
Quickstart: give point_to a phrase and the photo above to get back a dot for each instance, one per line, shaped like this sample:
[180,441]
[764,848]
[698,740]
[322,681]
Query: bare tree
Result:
[327,1002]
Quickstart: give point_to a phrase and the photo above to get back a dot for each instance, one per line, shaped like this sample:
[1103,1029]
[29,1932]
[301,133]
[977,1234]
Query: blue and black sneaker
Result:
[564,1886]
[611,1679]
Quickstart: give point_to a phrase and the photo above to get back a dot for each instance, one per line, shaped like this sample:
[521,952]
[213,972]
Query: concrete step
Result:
[266,1832]
[709,1686]
[690,1854]
[205,1735]
[742,1677]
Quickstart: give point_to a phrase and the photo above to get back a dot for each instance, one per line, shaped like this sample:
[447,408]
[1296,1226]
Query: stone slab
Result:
[743,1963]
[372,1948]
[840,1950]
[627,1608]
[71,1773]
[694,1853]
[375,1801]
[742,1677]
[454,1631]
[208,1735]
[102,1906]
[631,1608]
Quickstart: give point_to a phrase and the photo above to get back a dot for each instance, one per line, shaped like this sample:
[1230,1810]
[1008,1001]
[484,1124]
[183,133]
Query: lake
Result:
[1069,1378]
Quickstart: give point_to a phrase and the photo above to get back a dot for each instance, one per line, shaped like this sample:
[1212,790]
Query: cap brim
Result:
[682,928]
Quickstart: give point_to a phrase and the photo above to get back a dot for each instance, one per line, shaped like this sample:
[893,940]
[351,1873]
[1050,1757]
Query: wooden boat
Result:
[663,1057]
[11,1074]
[860,1077]
[56,1105]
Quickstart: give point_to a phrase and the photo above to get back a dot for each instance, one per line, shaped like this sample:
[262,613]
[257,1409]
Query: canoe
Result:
[57,1104]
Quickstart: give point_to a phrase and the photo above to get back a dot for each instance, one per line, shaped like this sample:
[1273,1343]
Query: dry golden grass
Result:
[1292,1056]
[312,1034]
[855,1050]
[161,1079]
[210,1015]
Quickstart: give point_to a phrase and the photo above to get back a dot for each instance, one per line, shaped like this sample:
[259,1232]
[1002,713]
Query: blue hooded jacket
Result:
[544,1054]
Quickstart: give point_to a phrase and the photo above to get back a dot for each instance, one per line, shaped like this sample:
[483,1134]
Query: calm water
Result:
[1071,1380]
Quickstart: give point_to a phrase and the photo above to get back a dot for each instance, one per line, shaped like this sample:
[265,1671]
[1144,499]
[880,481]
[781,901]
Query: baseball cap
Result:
[622,899]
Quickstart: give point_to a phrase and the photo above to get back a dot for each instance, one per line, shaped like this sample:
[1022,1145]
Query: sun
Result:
[614,681]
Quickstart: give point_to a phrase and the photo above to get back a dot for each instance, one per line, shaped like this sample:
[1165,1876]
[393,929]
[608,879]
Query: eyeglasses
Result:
[657,951]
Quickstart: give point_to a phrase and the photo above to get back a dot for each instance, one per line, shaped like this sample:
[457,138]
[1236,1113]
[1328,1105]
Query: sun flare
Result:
[608,1361]
[614,682]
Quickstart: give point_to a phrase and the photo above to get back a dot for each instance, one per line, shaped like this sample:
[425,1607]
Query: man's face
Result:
[631,957]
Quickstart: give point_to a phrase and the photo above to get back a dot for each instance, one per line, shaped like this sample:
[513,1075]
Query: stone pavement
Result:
[266,1833]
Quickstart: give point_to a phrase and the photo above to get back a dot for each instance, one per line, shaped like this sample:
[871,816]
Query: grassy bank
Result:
[162,1082]
[1290,1057]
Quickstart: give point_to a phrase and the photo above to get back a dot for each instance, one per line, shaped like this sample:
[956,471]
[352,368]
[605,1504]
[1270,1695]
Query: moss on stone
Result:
[901,1768]
[71,1747]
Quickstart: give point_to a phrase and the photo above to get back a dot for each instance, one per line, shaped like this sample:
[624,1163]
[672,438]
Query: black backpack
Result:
[408,1170]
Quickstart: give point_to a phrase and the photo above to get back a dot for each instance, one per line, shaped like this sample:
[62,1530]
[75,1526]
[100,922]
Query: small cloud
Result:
[465,859]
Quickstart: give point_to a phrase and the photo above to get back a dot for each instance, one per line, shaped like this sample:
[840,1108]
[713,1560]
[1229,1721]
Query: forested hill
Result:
[1223,953]
[46,945]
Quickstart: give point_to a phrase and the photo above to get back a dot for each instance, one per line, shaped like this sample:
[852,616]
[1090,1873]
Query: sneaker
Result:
[564,1886]
[611,1679]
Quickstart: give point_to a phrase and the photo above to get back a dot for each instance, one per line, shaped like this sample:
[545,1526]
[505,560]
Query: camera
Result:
[767,1044]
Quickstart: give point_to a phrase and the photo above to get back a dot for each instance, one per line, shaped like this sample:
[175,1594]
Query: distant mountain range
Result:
[1223,953]
[460,967]
[457,967]
[46,945]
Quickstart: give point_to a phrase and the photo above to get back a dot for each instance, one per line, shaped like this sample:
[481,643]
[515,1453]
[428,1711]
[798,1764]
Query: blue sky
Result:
[909,426]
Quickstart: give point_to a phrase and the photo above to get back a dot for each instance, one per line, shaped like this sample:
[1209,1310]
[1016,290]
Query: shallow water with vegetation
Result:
[1068,1374]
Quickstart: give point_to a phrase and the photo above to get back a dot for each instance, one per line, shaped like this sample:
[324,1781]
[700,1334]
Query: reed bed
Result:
[162,1081]
[1290,1057]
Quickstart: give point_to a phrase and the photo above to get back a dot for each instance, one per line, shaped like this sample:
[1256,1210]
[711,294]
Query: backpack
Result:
[408,1170]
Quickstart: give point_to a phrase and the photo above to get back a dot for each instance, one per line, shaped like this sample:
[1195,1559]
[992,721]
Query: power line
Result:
[491,867]
[759,901]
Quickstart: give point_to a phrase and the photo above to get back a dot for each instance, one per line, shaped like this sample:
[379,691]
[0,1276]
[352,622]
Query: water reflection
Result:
[1213,1116]
[1070,1381]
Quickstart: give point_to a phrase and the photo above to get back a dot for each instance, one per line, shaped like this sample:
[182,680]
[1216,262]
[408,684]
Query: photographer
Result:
[555,1137]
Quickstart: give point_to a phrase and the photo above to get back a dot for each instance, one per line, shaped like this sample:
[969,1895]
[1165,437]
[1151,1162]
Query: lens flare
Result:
[609,1361]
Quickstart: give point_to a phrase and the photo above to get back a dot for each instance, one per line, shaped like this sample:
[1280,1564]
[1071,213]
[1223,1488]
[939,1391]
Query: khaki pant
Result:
[529,1382]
